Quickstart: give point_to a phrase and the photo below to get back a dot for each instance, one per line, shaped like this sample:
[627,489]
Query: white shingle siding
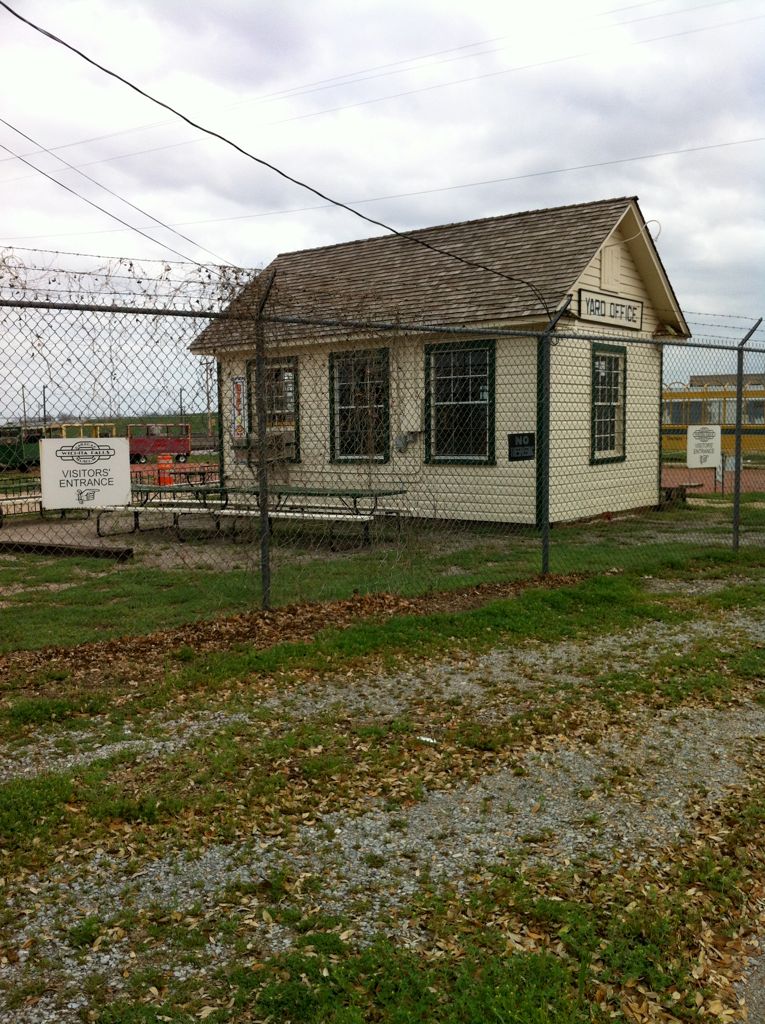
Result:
[578,488]
[505,491]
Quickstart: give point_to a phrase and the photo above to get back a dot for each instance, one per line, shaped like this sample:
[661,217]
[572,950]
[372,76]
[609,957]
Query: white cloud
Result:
[575,87]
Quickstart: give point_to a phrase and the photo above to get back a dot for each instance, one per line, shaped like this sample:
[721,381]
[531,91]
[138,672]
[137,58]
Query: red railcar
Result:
[159,439]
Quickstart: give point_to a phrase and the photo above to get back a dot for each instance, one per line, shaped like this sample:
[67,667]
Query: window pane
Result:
[280,393]
[461,402]
[608,371]
[695,408]
[360,383]
[713,412]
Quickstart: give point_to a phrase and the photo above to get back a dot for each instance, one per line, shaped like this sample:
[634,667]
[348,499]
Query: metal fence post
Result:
[544,345]
[261,418]
[739,421]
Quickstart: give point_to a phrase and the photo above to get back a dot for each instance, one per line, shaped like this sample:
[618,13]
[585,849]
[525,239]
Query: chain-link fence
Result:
[276,460]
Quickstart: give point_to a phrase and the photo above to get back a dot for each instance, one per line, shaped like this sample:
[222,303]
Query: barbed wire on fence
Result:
[395,453]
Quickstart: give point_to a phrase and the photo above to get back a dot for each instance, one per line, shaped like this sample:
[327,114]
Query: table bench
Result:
[32,503]
[308,504]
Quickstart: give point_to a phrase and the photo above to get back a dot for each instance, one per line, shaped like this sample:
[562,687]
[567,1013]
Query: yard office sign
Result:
[610,309]
[85,473]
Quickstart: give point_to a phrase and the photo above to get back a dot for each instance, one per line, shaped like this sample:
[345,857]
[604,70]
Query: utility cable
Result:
[283,174]
[122,199]
[399,95]
[102,209]
[367,74]
[426,191]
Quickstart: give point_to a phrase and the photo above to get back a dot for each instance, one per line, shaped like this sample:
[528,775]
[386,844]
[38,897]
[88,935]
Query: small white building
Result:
[452,417]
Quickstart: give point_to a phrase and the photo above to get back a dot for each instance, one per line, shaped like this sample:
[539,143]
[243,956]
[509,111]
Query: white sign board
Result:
[238,408]
[610,309]
[85,472]
[704,447]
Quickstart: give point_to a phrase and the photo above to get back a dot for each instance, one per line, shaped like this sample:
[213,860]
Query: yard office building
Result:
[357,396]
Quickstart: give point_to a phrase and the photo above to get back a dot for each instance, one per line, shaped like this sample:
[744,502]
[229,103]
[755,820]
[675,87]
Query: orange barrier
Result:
[164,470]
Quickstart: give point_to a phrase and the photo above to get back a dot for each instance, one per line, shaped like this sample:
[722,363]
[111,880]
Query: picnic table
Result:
[286,501]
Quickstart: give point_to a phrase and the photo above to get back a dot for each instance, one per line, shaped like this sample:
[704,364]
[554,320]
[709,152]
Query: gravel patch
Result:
[751,990]
[515,672]
[620,802]
[491,686]
[697,587]
[44,757]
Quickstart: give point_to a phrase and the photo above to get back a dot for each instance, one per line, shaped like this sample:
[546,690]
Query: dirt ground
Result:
[619,792]
[705,480]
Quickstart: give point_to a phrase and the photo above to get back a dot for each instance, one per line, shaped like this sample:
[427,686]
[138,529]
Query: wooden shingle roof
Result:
[393,278]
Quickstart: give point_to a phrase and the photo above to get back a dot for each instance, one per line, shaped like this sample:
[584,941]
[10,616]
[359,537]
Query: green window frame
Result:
[282,400]
[460,386]
[359,405]
[608,404]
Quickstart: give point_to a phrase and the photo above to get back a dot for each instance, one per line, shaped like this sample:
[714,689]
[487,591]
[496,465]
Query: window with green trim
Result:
[609,377]
[459,402]
[282,404]
[281,393]
[359,387]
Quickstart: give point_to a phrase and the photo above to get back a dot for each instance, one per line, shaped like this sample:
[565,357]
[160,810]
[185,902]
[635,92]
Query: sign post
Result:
[87,473]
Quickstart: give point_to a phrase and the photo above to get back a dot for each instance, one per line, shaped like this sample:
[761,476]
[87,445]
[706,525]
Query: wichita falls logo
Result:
[704,435]
[85,452]
[703,440]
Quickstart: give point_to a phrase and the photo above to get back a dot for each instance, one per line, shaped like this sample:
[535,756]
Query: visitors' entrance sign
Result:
[704,447]
[87,472]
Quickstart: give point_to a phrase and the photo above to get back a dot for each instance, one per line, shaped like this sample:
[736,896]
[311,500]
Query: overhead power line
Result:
[409,92]
[349,78]
[489,181]
[422,192]
[381,71]
[122,199]
[277,170]
[101,209]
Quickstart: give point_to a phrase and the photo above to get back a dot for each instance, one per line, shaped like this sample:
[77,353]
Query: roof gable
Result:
[392,278]
[642,274]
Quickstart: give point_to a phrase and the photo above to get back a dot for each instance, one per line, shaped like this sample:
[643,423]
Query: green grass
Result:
[700,669]
[210,779]
[133,599]
[616,931]
[608,602]
[387,984]
[36,711]
[33,807]
[36,570]
[129,601]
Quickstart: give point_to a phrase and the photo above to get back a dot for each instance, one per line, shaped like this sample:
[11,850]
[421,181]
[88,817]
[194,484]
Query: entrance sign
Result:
[704,447]
[87,473]
[610,309]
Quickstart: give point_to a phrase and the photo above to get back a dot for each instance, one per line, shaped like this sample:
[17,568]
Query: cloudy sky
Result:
[416,113]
